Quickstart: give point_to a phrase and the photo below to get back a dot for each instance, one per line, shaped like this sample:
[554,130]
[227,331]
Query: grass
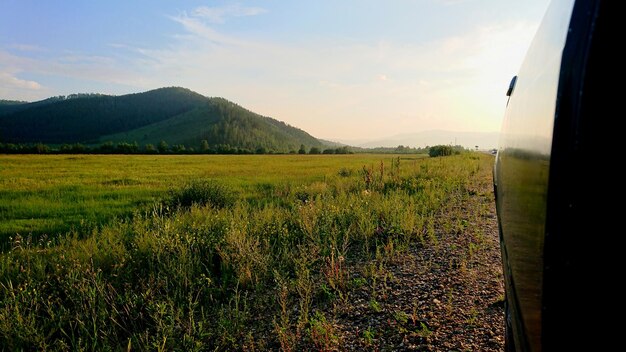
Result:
[256,273]
[51,194]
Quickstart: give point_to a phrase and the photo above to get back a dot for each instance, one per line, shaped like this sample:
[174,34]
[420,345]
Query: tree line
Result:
[161,148]
[205,148]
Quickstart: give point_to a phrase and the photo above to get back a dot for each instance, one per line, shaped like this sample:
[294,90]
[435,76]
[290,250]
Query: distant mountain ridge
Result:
[174,115]
[484,140]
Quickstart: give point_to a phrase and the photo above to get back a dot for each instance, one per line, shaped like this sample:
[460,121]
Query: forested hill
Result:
[174,115]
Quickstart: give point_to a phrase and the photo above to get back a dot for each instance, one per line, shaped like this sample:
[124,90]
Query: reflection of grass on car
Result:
[244,260]
[519,216]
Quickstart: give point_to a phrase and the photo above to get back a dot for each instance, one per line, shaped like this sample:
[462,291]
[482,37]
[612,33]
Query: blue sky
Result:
[338,69]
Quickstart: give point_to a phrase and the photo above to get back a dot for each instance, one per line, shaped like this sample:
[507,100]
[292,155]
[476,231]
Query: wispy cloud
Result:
[11,82]
[26,47]
[100,69]
[220,14]
[11,86]
[199,28]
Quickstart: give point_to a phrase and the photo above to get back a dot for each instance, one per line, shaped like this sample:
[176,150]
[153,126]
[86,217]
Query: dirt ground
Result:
[442,295]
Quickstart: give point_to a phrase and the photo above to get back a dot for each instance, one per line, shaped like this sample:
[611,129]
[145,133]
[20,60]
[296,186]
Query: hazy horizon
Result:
[341,71]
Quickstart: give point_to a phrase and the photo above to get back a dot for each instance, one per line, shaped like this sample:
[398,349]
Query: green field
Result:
[52,194]
[220,252]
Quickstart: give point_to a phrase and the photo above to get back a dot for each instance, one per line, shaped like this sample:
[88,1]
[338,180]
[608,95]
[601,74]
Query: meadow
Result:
[51,194]
[230,252]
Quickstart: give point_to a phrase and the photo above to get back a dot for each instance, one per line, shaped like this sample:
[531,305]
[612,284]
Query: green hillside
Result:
[9,106]
[11,102]
[175,115]
[86,118]
[220,122]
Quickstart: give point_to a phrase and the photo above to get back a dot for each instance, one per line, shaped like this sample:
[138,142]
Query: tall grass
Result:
[207,274]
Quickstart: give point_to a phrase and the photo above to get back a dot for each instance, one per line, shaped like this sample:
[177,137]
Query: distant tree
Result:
[261,150]
[4,148]
[106,148]
[302,149]
[342,150]
[127,148]
[149,148]
[226,149]
[329,151]
[292,151]
[163,147]
[204,146]
[179,148]
[73,148]
[41,148]
[315,150]
[440,150]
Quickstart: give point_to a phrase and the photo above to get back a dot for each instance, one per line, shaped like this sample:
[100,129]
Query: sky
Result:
[339,69]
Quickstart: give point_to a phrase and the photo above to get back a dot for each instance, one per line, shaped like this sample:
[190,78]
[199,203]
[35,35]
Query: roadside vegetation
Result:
[227,253]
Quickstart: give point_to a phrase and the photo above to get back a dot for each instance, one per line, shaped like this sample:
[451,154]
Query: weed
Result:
[473,317]
[450,302]
[401,317]
[344,172]
[358,282]
[335,271]
[282,328]
[202,192]
[368,177]
[414,315]
[368,336]
[375,306]
[322,333]
[423,331]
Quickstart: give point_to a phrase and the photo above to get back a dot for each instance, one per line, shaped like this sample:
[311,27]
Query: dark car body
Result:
[546,181]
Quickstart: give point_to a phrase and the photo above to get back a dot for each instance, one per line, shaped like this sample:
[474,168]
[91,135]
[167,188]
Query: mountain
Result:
[4,103]
[332,144]
[484,140]
[7,106]
[220,122]
[175,115]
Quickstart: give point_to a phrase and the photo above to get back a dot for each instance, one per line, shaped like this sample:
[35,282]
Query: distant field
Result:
[51,194]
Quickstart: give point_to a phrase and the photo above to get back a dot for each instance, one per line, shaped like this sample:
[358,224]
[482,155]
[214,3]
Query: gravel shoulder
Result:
[445,294]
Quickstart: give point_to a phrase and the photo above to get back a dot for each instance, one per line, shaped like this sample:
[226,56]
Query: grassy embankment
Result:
[255,263]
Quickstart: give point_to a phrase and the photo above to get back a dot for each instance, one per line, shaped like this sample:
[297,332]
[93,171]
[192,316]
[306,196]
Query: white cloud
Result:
[221,13]
[11,82]
[26,47]
[100,69]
